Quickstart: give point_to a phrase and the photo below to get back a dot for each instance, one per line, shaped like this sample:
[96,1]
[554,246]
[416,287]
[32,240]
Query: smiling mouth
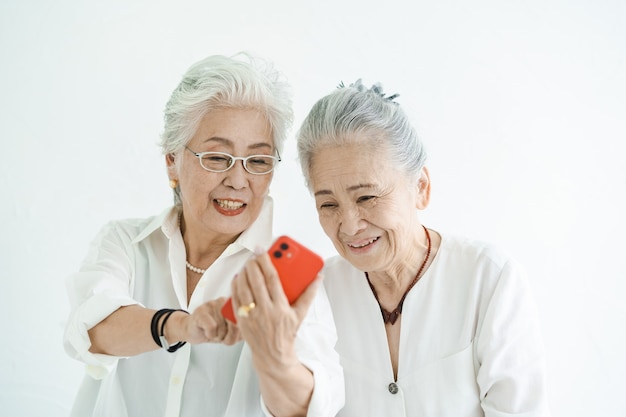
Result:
[364,244]
[230,204]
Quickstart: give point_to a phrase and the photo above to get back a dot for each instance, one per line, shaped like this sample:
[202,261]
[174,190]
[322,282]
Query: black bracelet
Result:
[176,346]
[157,336]
[154,325]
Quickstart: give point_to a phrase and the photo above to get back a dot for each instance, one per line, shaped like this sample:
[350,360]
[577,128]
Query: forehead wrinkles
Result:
[232,144]
[348,168]
[342,176]
[349,189]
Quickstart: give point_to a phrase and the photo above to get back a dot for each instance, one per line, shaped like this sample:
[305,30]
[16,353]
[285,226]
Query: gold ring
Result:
[243,311]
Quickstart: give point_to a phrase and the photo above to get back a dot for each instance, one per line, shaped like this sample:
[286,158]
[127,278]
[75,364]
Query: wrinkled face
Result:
[224,203]
[366,207]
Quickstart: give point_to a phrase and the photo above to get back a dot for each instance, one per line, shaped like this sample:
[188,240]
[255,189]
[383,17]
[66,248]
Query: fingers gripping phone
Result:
[297,267]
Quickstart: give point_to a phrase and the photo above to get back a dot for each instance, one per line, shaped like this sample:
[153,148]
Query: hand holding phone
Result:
[296,265]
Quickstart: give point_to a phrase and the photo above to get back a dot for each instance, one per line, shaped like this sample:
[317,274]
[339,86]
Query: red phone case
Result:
[297,267]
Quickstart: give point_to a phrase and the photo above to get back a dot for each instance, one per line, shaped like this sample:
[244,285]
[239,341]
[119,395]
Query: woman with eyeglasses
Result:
[428,323]
[145,305]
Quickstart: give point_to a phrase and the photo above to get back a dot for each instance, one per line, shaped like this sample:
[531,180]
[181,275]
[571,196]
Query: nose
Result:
[351,222]
[237,176]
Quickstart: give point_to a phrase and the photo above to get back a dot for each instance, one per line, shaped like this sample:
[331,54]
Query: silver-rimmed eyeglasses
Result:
[222,162]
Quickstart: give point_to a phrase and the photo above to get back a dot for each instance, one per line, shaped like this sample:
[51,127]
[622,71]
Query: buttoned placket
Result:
[177,381]
[395,390]
[183,355]
[181,362]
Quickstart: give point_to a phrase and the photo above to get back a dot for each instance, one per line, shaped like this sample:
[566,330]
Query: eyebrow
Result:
[350,188]
[229,142]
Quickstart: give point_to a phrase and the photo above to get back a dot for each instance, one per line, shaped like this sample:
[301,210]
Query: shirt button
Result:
[393,388]
[175,380]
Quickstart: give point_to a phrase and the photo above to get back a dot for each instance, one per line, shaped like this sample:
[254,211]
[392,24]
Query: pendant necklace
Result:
[391,317]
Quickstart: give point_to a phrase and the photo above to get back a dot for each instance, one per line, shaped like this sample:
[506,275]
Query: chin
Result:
[229,226]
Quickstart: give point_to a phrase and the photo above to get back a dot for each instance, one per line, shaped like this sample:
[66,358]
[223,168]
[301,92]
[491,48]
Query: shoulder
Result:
[129,228]
[134,229]
[472,265]
[468,251]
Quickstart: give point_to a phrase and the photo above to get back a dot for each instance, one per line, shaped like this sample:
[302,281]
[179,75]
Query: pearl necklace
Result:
[189,266]
[194,268]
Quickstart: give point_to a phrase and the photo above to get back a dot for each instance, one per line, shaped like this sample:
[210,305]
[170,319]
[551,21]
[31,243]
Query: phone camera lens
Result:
[284,246]
[278,254]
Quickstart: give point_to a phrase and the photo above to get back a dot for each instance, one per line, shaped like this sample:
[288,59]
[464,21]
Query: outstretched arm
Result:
[126,332]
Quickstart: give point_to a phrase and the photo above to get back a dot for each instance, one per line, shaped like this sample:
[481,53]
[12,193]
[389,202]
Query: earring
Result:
[173,183]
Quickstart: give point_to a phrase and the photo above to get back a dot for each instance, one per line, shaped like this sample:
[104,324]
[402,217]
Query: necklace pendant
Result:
[390,317]
[394,316]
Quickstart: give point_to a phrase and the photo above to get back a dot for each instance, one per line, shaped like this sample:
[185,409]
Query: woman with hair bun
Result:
[428,323]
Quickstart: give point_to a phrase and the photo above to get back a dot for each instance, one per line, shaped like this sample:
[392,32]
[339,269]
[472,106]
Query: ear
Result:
[423,190]
[170,162]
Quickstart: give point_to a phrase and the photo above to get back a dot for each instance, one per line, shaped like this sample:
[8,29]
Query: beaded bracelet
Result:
[157,336]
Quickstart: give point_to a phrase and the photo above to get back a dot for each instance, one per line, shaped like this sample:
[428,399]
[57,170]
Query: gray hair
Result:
[218,82]
[358,114]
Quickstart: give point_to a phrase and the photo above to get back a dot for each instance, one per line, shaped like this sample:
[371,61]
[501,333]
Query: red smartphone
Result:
[297,267]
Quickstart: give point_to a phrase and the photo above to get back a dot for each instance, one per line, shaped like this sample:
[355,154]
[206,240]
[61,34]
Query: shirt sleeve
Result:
[101,286]
[509,351]
[315,347]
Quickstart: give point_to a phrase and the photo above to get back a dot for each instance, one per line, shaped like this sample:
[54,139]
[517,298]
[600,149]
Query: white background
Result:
[522,106]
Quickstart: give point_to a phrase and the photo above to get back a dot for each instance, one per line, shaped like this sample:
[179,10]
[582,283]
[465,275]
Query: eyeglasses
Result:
[222,162]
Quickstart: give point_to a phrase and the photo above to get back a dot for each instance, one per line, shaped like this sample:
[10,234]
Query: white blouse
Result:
[142,261]
[470,345]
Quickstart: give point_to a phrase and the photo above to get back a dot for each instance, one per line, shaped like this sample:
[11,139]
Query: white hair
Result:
[219,82]
[356,113]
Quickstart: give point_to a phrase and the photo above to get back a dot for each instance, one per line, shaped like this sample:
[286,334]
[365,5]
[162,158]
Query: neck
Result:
[392,282]
[391,315]
[391,286]
[203,248]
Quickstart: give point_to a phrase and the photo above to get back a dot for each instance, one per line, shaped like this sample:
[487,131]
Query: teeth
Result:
[364,244]
[229,204]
